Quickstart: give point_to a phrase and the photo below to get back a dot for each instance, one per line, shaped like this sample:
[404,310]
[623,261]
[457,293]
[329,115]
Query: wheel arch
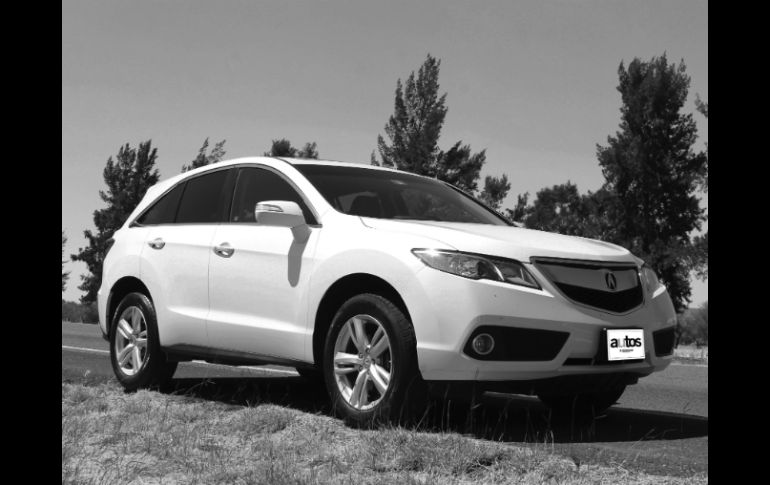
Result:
[340,291]
[121,288]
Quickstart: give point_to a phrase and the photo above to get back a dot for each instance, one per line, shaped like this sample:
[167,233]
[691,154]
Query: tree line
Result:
[647,203]
[693,326]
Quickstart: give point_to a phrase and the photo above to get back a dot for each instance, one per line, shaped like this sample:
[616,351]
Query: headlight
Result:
[477,267]
[650,279]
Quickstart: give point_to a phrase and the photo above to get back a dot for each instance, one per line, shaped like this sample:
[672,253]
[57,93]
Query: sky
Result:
[532,82]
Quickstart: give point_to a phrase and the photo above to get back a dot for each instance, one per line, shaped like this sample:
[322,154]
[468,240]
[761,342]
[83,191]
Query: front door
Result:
[258,274]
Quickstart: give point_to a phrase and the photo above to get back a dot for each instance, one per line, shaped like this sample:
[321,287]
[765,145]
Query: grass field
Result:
[110,437]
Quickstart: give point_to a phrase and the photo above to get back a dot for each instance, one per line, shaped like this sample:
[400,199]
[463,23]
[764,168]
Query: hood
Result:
[505,241]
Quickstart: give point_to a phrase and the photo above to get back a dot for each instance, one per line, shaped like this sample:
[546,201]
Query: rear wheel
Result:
[587,404]
[135,353]
[370,363]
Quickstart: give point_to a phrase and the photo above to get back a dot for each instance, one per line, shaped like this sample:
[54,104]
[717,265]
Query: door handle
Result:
[224,250]
[157,243]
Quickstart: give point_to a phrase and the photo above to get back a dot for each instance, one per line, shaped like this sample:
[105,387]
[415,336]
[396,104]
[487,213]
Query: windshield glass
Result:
[392,195]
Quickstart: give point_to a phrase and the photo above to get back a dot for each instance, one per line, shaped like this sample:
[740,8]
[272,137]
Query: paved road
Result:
[659,425]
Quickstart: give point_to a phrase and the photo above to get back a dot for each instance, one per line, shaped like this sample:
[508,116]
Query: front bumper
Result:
[446,309]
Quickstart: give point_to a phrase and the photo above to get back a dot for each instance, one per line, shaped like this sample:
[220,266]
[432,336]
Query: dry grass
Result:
[113,438]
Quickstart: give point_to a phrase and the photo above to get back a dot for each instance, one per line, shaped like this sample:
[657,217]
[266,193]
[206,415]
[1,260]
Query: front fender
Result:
[379,253]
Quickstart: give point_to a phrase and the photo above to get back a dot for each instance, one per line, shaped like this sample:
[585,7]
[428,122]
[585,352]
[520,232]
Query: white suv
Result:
[380,282]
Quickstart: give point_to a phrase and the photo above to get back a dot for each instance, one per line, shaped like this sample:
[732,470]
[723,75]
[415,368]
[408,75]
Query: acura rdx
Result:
[377,282]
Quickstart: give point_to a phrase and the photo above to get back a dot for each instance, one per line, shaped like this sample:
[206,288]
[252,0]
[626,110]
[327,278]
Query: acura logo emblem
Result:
[610,281]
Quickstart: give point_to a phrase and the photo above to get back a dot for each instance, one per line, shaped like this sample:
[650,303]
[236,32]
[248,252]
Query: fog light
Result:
[483,344]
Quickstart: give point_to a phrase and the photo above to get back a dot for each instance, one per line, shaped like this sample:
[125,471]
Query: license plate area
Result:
[621,346]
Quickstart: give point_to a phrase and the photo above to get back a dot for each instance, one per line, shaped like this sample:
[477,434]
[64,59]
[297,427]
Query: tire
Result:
[588,404]
[390,386]
[135,322]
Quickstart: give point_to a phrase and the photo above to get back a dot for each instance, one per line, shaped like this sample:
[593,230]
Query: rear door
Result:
[176,256]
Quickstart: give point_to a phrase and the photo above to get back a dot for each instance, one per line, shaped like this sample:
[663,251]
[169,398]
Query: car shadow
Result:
[497,417]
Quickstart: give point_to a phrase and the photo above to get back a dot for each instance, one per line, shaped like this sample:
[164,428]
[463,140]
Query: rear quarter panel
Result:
[122,260]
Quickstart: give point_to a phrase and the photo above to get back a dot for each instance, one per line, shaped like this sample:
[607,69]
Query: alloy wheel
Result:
[363,362]
[131,341]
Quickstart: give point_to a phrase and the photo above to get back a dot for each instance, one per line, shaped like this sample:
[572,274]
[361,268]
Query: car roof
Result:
[289,160]
[261,159]
[336,163]
[159,188]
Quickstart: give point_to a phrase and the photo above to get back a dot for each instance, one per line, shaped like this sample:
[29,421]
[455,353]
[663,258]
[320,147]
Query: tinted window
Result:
[164,210]
[259,184]
[395,195]
[205,199]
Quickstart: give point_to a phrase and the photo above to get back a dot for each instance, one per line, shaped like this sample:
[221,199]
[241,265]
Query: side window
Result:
[259,184]
[163,210]
[205,200]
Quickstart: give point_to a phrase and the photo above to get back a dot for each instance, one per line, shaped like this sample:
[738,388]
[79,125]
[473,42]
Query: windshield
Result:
[392,195]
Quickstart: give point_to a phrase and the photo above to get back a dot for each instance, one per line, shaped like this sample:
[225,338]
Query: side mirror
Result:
[281,213]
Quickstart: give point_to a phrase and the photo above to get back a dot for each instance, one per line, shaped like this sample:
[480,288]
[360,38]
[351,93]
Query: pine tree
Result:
[310,150]
[283,148]
[648,202]
[64,274]
[562,209]
[495,190]
[415,126]
[203,158]
[650,166]
[127,177]
[700,258]
[413,132]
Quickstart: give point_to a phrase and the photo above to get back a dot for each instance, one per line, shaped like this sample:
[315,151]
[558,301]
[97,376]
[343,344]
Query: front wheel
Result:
[135,353]
[370,363]
[587,404]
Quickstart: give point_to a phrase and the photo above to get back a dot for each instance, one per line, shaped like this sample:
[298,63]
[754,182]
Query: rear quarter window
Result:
[163,211]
